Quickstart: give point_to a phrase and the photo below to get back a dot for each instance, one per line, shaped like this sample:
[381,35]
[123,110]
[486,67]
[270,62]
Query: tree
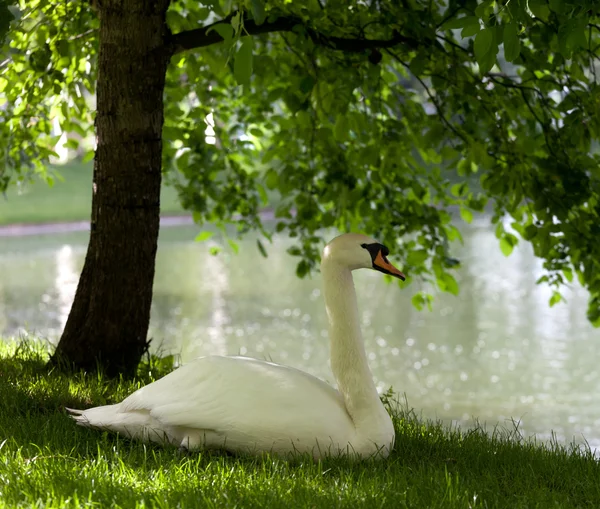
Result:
[380,116]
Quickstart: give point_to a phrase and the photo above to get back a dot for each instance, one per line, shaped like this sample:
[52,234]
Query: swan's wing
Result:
[220,393]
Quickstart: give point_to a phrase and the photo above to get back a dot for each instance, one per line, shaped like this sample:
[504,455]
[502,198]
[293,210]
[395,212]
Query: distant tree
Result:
[377,116]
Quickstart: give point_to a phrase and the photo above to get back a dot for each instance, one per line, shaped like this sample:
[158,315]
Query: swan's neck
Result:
[348,358]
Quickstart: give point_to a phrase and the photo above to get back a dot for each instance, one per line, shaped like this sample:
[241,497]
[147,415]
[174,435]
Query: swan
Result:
[246,405]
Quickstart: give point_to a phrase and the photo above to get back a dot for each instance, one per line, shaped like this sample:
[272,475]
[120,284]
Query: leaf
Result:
[417,257]
[258,11]
[555,299]
[483,9]
[261,248]
[72,143]
[203,236]
[271,179]
[456,23]
[448,283]
[558,6]
[340,130]
[507,243]
[242,65]
[421,299]
[6,16]
[235,22]
[530,232]
[512,43]
[88,156]
[225,30]
[302,268]
[539,8]
[233,245]
[466,214]
[471,29]
[483,44]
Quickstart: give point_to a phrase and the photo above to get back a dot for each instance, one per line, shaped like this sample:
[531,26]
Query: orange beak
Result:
[381,263]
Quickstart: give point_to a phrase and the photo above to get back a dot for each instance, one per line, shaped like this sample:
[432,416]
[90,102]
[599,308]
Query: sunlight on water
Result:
[497,352]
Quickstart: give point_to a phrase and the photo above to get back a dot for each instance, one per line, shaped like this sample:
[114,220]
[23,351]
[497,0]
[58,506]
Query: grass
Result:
[47,461]
[69,199]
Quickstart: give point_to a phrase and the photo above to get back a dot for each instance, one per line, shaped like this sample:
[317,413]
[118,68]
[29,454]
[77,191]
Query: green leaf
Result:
[466,214]
[72,143]
[6,16]
[456,23]
[505,247]
[483,44]
[558,6]
[539,8]
[302,269]
[417,257]
[272,179]
[340,130]
[512,43]
[471,29]
[88,156]
[235,22]
[258,11]
[421,299]
[203,236]
[447,283]
[225,30]
[233,245]
[507,243]
[555,299]
[530,232]
[261,248]
[242,65]
[484,8]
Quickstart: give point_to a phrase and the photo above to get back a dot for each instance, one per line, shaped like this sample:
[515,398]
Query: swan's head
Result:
[357,251]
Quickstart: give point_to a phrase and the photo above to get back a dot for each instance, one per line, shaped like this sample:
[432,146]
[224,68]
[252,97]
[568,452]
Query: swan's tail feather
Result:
[78,416]
[137,424]
[74,411]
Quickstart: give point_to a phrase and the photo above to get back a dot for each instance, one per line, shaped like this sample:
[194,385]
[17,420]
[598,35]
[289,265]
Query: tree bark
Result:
[108,323]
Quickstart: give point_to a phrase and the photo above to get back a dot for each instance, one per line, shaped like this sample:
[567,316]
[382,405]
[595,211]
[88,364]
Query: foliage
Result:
[47,77]
[47,461]
[385,117]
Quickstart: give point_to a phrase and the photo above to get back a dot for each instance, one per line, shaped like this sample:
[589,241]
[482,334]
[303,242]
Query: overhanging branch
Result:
[201,37]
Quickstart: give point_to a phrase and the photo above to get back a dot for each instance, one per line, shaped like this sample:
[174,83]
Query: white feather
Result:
[251,406]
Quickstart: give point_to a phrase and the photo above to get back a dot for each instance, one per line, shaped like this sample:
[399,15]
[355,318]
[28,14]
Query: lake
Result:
[495,353]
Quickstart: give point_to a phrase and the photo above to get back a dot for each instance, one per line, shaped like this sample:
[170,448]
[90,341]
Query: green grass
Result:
[47,461]
[69,199]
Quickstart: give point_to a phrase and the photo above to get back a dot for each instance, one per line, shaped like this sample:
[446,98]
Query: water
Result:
[496,352]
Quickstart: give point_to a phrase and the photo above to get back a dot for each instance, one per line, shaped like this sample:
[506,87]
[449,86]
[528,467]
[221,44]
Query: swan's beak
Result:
[382,264]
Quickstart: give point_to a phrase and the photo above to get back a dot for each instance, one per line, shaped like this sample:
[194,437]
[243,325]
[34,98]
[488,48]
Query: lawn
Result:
[69,199]
[47,461]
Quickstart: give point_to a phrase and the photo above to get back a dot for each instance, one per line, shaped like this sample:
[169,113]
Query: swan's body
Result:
[251,406]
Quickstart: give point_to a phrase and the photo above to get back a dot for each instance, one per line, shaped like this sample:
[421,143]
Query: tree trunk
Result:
[108,323]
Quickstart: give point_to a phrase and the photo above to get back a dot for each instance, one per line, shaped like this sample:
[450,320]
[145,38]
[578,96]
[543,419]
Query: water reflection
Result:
[67,277]
[496,352]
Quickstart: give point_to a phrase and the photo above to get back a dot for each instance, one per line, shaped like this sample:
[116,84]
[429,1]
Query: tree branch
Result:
[200,37]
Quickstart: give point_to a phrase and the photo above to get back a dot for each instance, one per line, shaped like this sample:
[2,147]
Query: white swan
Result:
[251,406]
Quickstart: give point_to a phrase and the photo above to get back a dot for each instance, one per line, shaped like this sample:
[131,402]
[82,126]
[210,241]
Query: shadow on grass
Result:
[501,465]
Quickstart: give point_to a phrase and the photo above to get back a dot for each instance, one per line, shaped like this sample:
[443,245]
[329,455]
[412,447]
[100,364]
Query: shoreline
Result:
[27,229]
